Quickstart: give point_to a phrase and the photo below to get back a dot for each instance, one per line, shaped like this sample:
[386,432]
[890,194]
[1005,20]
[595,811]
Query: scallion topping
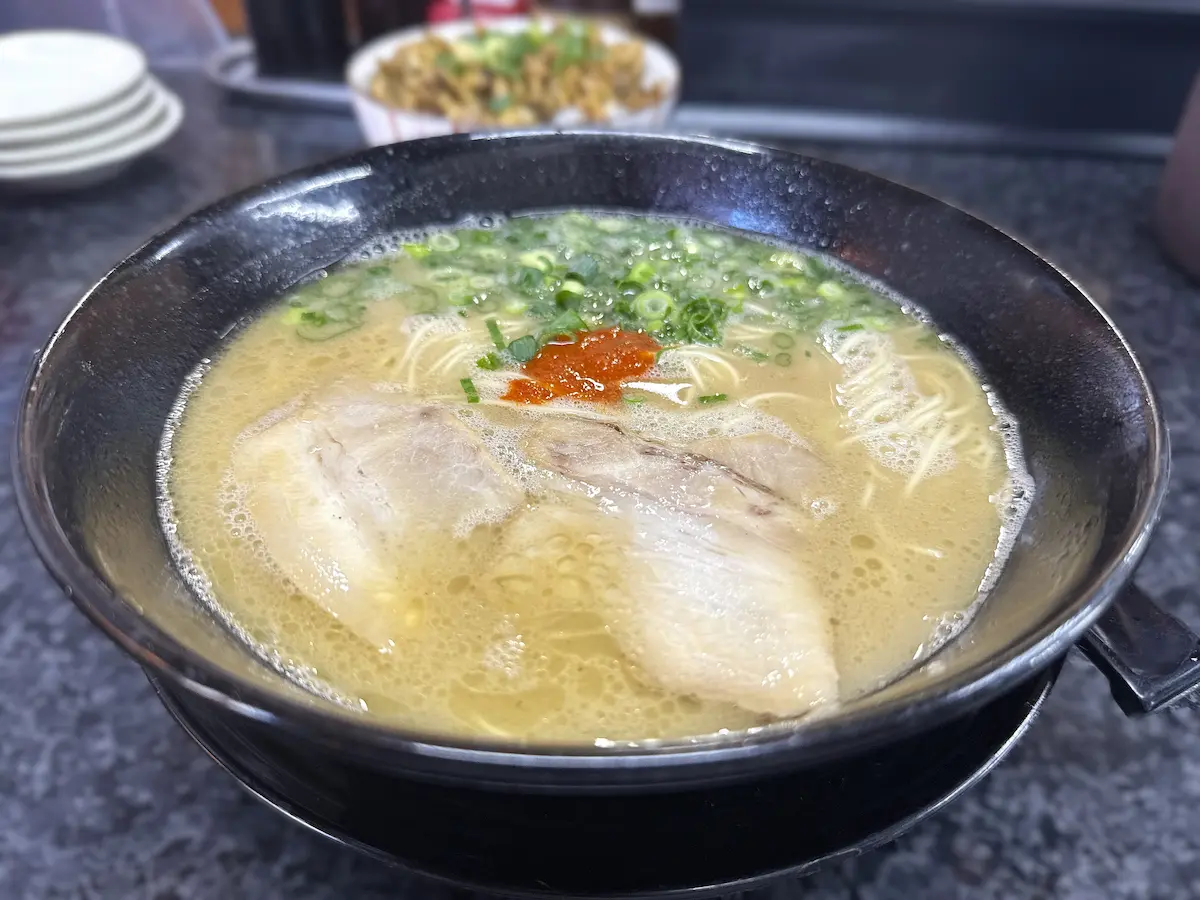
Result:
[490,362]
[468,387]
[523,349]
[496,334]
[712,398]
[653,306]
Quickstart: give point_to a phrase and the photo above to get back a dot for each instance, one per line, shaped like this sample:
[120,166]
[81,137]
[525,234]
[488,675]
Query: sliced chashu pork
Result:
[785,468]
[352,490]
[714,602]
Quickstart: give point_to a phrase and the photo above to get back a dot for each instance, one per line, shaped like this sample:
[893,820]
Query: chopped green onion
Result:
[447,275]
[377,271]
[490,362]
[468,387]
[569,292]
[523,349]
[653,305]
[443,242]
[831,290]
[416,251]
[783,340]
[584,267]
[496,334]
[642,273]
[541,260]
[852,327]
[701,320]
[528,279]
[712,398]
[634,401]
[783,359]
[566,322]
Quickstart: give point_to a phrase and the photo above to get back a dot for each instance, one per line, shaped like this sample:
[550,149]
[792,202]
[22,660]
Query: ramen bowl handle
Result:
[1149,657]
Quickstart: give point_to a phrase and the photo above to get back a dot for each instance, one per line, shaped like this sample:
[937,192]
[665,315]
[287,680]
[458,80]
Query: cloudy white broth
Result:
[584,478]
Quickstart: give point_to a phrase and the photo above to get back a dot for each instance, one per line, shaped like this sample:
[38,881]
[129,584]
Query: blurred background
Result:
[1054,119]
[1098,75]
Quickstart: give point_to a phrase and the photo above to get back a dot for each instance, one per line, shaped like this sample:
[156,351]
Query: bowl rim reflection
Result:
[809,738]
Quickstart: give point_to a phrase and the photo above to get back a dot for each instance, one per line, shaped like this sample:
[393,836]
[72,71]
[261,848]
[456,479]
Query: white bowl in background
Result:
[48,76]
[80,143]
[89,168]
[103,116]
[383,124]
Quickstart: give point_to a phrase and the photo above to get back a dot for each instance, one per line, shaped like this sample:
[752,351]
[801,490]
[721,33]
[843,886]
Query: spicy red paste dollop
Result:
[591,366]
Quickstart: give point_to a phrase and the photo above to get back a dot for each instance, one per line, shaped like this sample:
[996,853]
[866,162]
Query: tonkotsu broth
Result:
[907,518]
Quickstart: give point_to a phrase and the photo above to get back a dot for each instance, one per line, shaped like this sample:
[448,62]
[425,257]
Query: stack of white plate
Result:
[76,108]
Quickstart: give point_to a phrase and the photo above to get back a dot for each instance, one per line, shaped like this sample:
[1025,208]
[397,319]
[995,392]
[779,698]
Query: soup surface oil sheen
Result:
[620,412]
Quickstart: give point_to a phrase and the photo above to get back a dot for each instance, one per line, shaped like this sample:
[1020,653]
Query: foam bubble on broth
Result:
[476,649]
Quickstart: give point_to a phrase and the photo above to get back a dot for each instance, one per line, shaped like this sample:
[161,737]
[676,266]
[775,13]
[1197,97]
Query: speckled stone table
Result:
[102,795]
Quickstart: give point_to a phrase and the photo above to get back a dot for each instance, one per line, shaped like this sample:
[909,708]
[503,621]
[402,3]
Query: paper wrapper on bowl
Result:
[382,124]
[1177,216]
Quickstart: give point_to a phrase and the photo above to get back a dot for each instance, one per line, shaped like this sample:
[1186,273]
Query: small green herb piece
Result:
[567,322]
[584,267]
[523,349]
[700,320]
[634,401]
[712,398]
[541,260]
[831,290]
[783,359]
[653,305]
[490,362]
[468,387]
[642,273]
[496,334]
[416,251]
[528,279]
[569,292]
[379,271]
[783,340]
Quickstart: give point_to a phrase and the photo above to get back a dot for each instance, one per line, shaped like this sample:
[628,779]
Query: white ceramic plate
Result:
[92,168]
[116,134]
[103,116]
[48,75]
[383,124]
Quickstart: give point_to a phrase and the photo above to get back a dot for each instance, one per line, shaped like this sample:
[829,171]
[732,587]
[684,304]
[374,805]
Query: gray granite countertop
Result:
[102,795]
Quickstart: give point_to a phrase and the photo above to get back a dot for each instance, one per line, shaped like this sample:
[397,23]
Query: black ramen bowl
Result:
[1094,439]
